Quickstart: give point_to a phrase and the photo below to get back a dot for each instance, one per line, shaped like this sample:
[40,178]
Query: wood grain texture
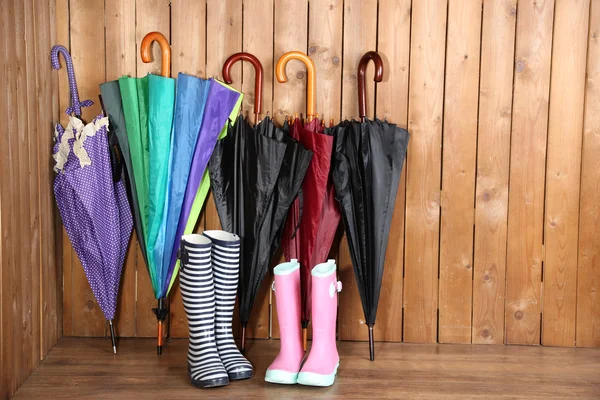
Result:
[121,57]
[360,36]
[527,171]
[393,45]
[493,155]
[11,357]
[325,27]
[569,52]
[458,171]
[52,295]
[63,37]
[290,34]
[87,47]
[5,367]
[84,369]
[24,343]
[588,272]
[150,15]
[423,170]
[30,309]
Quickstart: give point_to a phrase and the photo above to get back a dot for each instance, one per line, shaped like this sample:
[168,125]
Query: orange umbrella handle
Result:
[362,86]
[165,48]
[258,78]
[311,90]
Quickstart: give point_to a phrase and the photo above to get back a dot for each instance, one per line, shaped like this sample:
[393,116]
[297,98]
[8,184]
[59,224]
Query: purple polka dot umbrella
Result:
[93,205]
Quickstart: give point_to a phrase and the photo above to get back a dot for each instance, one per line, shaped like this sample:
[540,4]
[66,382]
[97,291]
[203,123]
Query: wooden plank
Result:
[325,27]
[458,171]
[493,155]
[51,231]
[121,57]
[290,32]
[393,45]
[10,267]
[22,322]
[588,272]
[527,171]
[188,44]
[151,15]
[423,170]
[360,36]
[258,40]
[569,52]
[66,260]
[87,47]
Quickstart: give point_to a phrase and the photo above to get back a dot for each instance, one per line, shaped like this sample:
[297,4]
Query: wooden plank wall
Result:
[30,274]
[494,231]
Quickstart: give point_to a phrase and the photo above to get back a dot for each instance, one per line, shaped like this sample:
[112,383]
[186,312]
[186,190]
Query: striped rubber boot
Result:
[226,271]
[197,291]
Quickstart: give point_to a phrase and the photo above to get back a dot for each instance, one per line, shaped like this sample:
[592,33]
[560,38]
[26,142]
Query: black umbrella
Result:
[255,173]
[368,159]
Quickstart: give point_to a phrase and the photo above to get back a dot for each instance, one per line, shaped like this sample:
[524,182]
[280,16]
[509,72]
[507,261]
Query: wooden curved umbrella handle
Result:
[362,86]
[311,89]
[165,49]
[258,77]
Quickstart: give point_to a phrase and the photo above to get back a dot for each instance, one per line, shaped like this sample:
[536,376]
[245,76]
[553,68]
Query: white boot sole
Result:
[313,379]
[281,377]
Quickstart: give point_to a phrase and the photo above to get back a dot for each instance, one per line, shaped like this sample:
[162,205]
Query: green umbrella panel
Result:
[148,105]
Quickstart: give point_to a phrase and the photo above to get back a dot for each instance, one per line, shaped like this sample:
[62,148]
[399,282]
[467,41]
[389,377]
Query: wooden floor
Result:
[86,369]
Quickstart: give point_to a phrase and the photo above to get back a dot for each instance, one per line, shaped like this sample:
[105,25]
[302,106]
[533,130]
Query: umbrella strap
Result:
[300,204]
[77,106]
[184,257]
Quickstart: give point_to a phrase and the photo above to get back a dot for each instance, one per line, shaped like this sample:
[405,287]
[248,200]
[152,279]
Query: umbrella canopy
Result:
[366,172]
[111,95]
[203,188]
[309,234]
[221,103]
[148,105]
[255,175]
[92,205]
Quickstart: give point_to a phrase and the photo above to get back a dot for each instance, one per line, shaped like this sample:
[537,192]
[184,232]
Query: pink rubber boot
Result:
[285,368]
[322,363]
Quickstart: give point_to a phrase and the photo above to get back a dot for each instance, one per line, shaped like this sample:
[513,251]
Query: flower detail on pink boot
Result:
[321,366]
[284,370]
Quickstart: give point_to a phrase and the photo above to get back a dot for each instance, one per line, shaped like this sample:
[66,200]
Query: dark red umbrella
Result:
[315,215]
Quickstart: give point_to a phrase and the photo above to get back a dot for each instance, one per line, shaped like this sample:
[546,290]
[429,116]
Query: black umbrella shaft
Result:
[371,343]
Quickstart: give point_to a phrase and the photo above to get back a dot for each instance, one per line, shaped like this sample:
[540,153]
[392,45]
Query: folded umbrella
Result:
[255,175]
[93,206]
[148,106]
[368,159]
[309,235]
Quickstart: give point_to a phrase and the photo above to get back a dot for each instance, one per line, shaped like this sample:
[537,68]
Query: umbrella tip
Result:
[371,344]
[159,350]
[115,349]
